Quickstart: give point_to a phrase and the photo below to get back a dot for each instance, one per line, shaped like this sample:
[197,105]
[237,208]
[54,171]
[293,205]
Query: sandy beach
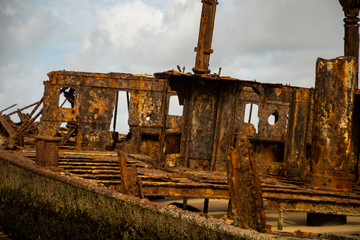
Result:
[293,221]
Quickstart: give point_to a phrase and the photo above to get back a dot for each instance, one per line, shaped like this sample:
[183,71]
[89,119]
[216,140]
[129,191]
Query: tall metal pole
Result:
[351,35]
[203,49]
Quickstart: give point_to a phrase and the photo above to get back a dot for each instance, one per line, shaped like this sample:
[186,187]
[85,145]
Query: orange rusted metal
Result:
[244,184]
[333,166]
[93,97]
[203,49]
[47,151]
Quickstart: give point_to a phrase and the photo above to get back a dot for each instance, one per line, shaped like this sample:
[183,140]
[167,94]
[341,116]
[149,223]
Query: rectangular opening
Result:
[251,115]
[175,109]
[67,97]
[122,116]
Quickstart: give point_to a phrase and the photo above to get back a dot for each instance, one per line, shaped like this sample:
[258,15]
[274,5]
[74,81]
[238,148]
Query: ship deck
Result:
[279,194]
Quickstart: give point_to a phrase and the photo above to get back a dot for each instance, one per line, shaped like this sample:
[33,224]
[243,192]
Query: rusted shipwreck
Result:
[302,142]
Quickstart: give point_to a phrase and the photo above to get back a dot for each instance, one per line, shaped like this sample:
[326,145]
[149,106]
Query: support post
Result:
[281,217]
[206,205]
[332,166]
[244,186]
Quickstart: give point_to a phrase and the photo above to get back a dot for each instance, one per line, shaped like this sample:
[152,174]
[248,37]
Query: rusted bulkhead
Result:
[276,118]
[216,110]
[92,98]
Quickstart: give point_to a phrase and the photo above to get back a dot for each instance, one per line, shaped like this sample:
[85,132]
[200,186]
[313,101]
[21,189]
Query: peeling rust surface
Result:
[215,115]
[333,165]
[245,188]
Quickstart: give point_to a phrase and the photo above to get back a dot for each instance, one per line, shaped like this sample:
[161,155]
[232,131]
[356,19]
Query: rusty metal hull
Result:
[65,205]
[102,168]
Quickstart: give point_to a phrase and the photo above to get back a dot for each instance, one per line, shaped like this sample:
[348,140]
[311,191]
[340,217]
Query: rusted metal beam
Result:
[333,166]
[164,112]
[25,126]
[8,108]
[203,49]
[21,109]
[71,130]
[244,186]
[119,81]
[297,134]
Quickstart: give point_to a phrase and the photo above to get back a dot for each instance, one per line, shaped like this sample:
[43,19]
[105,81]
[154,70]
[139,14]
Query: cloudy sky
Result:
[275,41]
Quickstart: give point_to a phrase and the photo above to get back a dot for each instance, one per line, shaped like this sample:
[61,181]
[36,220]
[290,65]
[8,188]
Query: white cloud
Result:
[126,22]
[137,37]
[278,40]
[270,41]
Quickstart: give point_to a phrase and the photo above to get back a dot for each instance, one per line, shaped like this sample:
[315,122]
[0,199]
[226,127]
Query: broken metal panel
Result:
[130,183]
[145,119]
[244,186]
[333,166]
[172,140]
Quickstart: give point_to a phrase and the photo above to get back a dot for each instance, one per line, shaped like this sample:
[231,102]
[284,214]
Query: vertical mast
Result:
[203,49]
